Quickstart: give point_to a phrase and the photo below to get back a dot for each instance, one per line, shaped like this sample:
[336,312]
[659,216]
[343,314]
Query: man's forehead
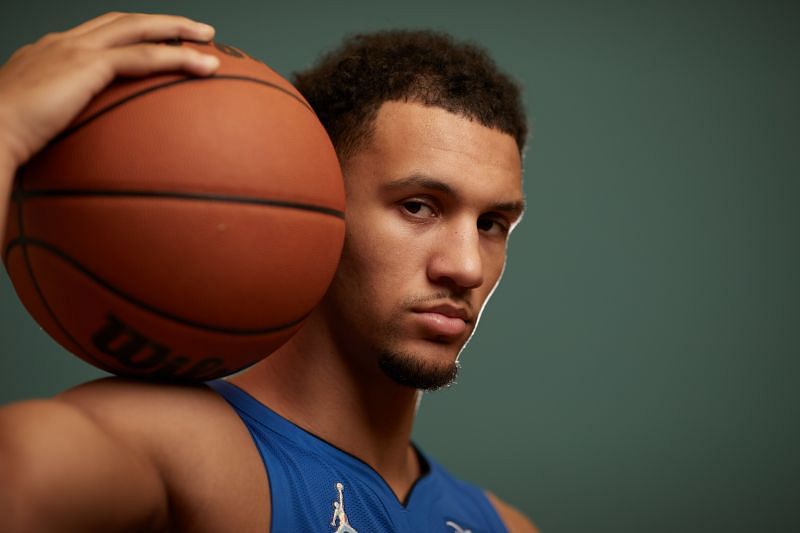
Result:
[410,139]
[414,121]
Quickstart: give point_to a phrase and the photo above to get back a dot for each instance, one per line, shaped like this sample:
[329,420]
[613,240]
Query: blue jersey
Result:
[316,487]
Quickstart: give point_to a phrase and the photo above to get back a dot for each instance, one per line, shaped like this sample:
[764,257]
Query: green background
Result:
[637,370]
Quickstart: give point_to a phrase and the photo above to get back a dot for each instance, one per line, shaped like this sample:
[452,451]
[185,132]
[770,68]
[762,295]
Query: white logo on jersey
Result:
[339,515]
[456,527]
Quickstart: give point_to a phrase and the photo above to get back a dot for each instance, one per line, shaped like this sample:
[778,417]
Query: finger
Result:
[135,28]
[90,25]
[144,59]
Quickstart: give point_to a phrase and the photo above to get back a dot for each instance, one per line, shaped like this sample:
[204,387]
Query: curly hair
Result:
[348,85]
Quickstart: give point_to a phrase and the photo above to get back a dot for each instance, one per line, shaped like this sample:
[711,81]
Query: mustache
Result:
[439,297]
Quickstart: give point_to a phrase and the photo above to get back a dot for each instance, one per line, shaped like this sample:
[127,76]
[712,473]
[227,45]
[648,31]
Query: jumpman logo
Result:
[339,515]
[456,527]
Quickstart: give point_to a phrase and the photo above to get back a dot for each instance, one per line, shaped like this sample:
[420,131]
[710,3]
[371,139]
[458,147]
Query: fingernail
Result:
[205,28]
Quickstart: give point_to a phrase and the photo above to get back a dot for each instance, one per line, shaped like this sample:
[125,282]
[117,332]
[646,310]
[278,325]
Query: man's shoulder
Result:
[140,410]
[196,441]
[109,398]
[171,424]
[515,521]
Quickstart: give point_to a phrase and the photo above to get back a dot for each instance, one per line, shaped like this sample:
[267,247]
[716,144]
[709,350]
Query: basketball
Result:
[181,228]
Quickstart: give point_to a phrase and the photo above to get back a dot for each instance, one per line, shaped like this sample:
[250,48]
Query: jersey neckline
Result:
[257,411]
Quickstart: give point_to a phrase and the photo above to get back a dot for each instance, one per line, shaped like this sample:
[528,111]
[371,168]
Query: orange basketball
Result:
[181,228]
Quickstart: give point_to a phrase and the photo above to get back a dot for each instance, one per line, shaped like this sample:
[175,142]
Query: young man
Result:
[429,135]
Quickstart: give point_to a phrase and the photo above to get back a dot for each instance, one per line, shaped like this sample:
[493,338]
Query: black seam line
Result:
[90,118]
[25,242]
[21,222]
[21,196]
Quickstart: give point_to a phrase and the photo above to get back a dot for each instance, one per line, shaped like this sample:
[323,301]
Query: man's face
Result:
[431,200]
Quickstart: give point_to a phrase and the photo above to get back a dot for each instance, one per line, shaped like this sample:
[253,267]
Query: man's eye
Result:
[417,208]
[490,225]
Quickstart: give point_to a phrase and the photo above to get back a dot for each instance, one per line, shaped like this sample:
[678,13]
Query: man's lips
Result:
[443,320]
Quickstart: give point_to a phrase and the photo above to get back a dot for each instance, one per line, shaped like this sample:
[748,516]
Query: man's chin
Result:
[418,372]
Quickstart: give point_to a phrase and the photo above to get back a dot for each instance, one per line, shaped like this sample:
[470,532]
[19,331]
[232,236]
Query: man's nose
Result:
[456,260]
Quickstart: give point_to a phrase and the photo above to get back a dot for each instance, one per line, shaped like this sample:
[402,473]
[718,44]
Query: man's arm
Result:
[63,472]
[515,521]
[60,470]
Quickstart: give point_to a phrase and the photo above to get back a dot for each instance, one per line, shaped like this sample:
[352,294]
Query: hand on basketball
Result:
[44,85]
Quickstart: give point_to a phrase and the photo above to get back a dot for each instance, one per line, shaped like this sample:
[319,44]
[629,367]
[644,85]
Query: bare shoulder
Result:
[125,405]
[121,390]
[155,418]
[59,464]
[200,446]
[515,521]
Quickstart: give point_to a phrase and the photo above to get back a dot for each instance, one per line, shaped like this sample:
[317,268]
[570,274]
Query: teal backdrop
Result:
[637,369]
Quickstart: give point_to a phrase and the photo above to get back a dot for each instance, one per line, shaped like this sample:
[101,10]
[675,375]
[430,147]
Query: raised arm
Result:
[60,470]
[44,85]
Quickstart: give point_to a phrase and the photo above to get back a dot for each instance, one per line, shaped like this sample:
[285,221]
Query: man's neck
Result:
[342,400]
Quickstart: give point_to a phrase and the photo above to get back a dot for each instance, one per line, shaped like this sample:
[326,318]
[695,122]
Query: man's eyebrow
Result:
[514,208]
[420,180]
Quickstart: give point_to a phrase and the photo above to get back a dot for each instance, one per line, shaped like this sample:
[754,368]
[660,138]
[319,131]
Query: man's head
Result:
[430,136]
[348,85]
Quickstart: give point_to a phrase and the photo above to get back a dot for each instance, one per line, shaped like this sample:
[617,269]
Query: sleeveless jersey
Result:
[317,488]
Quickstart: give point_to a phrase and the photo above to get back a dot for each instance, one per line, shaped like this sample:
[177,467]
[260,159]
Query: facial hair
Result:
[410,371]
